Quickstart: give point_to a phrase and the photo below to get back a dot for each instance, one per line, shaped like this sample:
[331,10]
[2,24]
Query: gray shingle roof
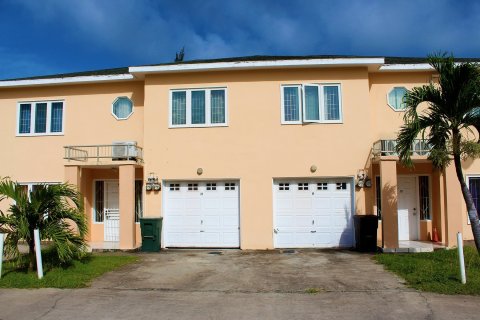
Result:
[103,72]
[124,70]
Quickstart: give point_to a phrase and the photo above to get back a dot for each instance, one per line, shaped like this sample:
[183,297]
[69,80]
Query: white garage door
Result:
[202,214]
[313,214]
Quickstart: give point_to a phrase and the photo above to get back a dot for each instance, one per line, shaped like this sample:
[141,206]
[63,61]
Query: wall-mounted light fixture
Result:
[152,183]
[313,168]
[363,180]
[199,171]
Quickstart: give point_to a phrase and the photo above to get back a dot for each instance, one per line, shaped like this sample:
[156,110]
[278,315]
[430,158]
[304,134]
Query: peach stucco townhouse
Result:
[252,153]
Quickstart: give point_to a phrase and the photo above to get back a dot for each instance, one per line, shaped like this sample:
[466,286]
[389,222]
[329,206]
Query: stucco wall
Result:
[88,120]
[385,120]
[255,148]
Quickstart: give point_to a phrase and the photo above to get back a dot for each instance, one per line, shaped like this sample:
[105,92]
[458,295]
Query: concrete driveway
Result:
[233,284]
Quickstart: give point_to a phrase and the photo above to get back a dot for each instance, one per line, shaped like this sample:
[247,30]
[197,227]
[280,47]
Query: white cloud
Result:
[148,31]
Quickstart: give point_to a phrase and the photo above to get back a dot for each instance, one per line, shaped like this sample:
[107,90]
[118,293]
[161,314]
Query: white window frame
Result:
[129,115]
[94,204]
[430,195]
[302,105]
[33,111]
[468,185]
[388,98]
[188,118]
[282,107]
[31,184]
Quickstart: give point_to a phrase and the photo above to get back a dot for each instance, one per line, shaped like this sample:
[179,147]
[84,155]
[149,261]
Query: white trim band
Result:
[66,80]
[407,67]
[208,66]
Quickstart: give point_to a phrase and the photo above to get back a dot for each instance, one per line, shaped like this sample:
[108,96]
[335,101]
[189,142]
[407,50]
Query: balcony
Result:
[105,153]
[385,148]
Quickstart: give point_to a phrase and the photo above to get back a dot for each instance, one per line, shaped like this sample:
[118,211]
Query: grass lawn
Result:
[77,275]
[436,271]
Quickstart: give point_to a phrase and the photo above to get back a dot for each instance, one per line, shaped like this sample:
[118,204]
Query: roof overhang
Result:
[371,63]
[406,67]
[66,80]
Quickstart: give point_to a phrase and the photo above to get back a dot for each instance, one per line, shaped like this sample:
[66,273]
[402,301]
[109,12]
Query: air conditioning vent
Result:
[124,150]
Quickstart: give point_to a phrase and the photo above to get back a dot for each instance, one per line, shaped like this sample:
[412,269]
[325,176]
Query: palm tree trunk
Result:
[31,254]
[467,196]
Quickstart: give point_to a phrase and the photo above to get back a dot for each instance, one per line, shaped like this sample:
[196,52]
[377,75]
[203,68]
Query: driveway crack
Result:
[430,315]
[54,305]
[174,290]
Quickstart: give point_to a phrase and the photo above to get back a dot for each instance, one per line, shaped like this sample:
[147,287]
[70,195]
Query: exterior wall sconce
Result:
[199,171]
[313,168]
[152,183]
[363,180]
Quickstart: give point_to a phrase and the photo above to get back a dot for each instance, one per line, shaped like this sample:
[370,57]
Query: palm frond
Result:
[56,210]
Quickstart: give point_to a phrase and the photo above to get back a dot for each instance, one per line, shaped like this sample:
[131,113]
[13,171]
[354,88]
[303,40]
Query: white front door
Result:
[202,214]
[313,213]
[408,220]
[111,212]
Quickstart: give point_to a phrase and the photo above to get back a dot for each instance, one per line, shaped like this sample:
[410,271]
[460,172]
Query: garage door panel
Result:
[184,221]
[202,214]
[230,221]
[211,221]
[209,204]
[285,221]
[230,203]
[210,238]
[342,221]
[177,203]
[303,221]
[192,203]
[185,238]
[302,203]
[326,220]
[294,239]
[284,204]
[230,239]
[320,203]
[322,238]
[340,204]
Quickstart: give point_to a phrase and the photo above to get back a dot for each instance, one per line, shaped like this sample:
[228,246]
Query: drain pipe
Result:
[461,258]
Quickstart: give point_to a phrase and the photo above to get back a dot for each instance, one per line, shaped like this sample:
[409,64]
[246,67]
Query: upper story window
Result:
[198,107]
[40,118]
[311,103]
[395,98]
[122,108]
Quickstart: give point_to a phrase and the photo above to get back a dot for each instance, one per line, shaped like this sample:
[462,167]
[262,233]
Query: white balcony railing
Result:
[104,152]
[388,148]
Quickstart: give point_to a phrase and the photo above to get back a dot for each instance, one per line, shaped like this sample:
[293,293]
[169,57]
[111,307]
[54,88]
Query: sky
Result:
[41,37]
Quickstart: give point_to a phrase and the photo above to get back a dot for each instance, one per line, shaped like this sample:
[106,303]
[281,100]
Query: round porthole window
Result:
[122,108]
[395,98]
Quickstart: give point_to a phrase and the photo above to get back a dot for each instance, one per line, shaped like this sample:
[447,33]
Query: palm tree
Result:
[452,111]
[53,209]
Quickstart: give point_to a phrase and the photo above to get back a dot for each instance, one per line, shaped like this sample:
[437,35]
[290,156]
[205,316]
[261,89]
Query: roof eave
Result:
[406,67]
[66,80]
[140,71]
